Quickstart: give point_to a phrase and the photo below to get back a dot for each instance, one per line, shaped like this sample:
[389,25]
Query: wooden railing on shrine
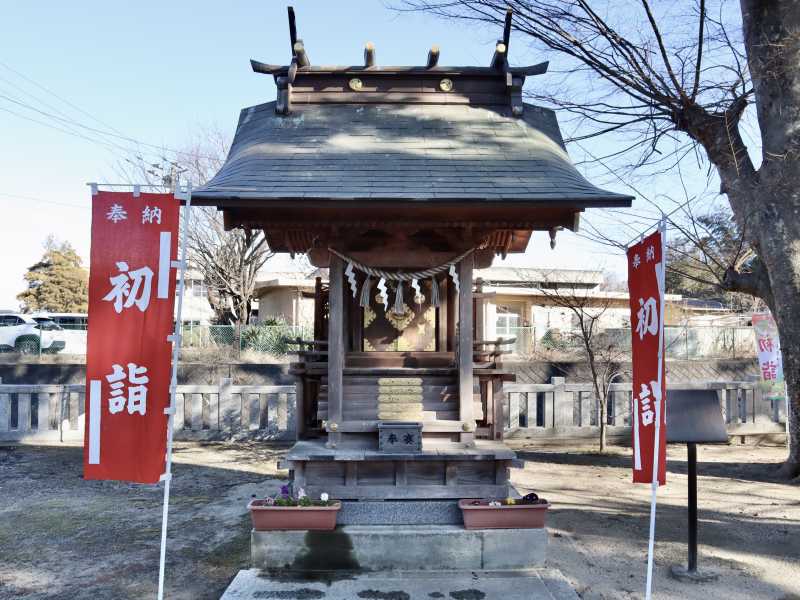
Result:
[203,412]
[439,379]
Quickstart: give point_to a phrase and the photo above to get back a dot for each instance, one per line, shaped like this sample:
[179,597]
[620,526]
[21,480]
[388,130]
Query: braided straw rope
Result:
[403,276]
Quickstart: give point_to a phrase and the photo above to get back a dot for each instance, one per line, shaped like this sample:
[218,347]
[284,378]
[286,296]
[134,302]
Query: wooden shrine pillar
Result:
[478,311]
[465,377]
[451,310]
[318,310]
[335,349]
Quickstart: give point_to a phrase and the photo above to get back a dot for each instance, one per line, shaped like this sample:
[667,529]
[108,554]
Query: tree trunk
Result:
[773,53]
[781,252]
[591,359]
[603,425]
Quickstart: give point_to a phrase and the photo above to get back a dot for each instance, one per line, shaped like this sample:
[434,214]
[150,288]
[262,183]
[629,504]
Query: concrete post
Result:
[230,415]
[513,410]
[562,403]
[5,412]
[531,398]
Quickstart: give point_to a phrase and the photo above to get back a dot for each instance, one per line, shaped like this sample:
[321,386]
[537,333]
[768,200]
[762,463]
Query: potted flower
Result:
[285,511]
[528,512]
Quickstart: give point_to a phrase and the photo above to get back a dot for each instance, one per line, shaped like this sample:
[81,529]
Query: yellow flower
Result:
[510,501]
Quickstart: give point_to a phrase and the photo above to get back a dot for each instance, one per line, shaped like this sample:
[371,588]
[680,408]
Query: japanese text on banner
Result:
[645,265]
[131,302]
[770,359]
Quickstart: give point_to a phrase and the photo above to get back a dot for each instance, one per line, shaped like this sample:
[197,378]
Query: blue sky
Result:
[158,72]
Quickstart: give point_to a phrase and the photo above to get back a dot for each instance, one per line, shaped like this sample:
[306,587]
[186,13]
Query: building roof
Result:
[418,152]
[298,278]
[531,277]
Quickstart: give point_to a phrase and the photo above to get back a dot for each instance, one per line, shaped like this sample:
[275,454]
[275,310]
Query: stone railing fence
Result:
[561,410]
[555,411]
[202,412]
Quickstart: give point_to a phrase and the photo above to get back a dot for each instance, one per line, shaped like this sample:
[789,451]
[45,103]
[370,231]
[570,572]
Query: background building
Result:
[519,303]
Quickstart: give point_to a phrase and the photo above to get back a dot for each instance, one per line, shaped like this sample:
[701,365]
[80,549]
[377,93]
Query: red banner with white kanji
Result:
[128,362]
[770,359]
[645,285]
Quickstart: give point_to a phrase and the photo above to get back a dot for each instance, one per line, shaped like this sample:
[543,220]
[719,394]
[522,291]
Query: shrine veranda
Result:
[400,181]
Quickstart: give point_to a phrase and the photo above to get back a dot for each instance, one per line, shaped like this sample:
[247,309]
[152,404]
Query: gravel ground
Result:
[65,538]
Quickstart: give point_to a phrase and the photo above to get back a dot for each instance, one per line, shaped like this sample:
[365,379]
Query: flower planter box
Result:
[271,518]
[514,516]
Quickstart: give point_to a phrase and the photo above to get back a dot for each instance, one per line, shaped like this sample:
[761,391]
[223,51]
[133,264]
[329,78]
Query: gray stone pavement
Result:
[534,584]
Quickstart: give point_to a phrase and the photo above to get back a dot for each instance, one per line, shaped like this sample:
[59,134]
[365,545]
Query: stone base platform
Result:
[443,470]
[534,584]
[358,548]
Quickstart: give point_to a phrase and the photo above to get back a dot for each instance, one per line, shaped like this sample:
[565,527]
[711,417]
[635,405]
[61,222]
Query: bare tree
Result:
[705,258]
[229,260]
[603,351]
[677,81]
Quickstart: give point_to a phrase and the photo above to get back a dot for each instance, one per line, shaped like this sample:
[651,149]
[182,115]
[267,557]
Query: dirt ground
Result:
[749,523]
[65,538]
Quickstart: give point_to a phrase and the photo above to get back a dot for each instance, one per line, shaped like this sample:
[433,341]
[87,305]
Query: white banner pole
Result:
[788,408]
[175,338]
[661,275]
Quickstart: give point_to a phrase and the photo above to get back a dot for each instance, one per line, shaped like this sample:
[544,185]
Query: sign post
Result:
[175,338]
[695,418]
[646,283]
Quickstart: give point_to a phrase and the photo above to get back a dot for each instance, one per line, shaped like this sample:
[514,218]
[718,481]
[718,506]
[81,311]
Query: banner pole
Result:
[175,338]
[788,408]
[662,229]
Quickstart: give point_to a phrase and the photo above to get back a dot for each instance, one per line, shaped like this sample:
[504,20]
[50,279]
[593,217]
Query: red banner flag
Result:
[646,287]
[131,300]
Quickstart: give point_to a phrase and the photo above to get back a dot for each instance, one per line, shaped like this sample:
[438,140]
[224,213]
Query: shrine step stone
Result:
[401,547]
[404,512]
[400,512]
[534,584]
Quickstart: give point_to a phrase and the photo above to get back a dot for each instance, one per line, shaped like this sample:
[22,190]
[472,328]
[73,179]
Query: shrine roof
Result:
[342,152]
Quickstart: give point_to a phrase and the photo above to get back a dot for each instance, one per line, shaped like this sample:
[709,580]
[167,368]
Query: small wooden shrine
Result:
[401,181]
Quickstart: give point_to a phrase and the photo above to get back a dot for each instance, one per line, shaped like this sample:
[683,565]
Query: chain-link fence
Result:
[709,342]
[683,343]
[265,342]
[203,343]
[242,342]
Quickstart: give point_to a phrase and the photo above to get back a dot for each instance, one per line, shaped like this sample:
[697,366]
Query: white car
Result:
[27,335]
[67,321]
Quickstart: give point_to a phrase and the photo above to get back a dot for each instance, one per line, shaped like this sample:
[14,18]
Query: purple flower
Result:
[285,490]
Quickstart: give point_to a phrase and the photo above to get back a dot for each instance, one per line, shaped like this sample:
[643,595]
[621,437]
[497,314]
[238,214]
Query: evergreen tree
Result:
[58,282]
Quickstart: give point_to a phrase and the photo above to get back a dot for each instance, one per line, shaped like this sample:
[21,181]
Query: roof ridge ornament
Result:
[433,57]
[369,54]
[283,104]
[449,86]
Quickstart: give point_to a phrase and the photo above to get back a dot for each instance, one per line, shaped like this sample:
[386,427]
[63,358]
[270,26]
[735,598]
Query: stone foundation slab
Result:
[405,547]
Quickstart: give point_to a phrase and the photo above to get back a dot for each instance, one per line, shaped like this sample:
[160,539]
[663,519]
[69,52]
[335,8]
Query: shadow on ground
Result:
[765,472]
